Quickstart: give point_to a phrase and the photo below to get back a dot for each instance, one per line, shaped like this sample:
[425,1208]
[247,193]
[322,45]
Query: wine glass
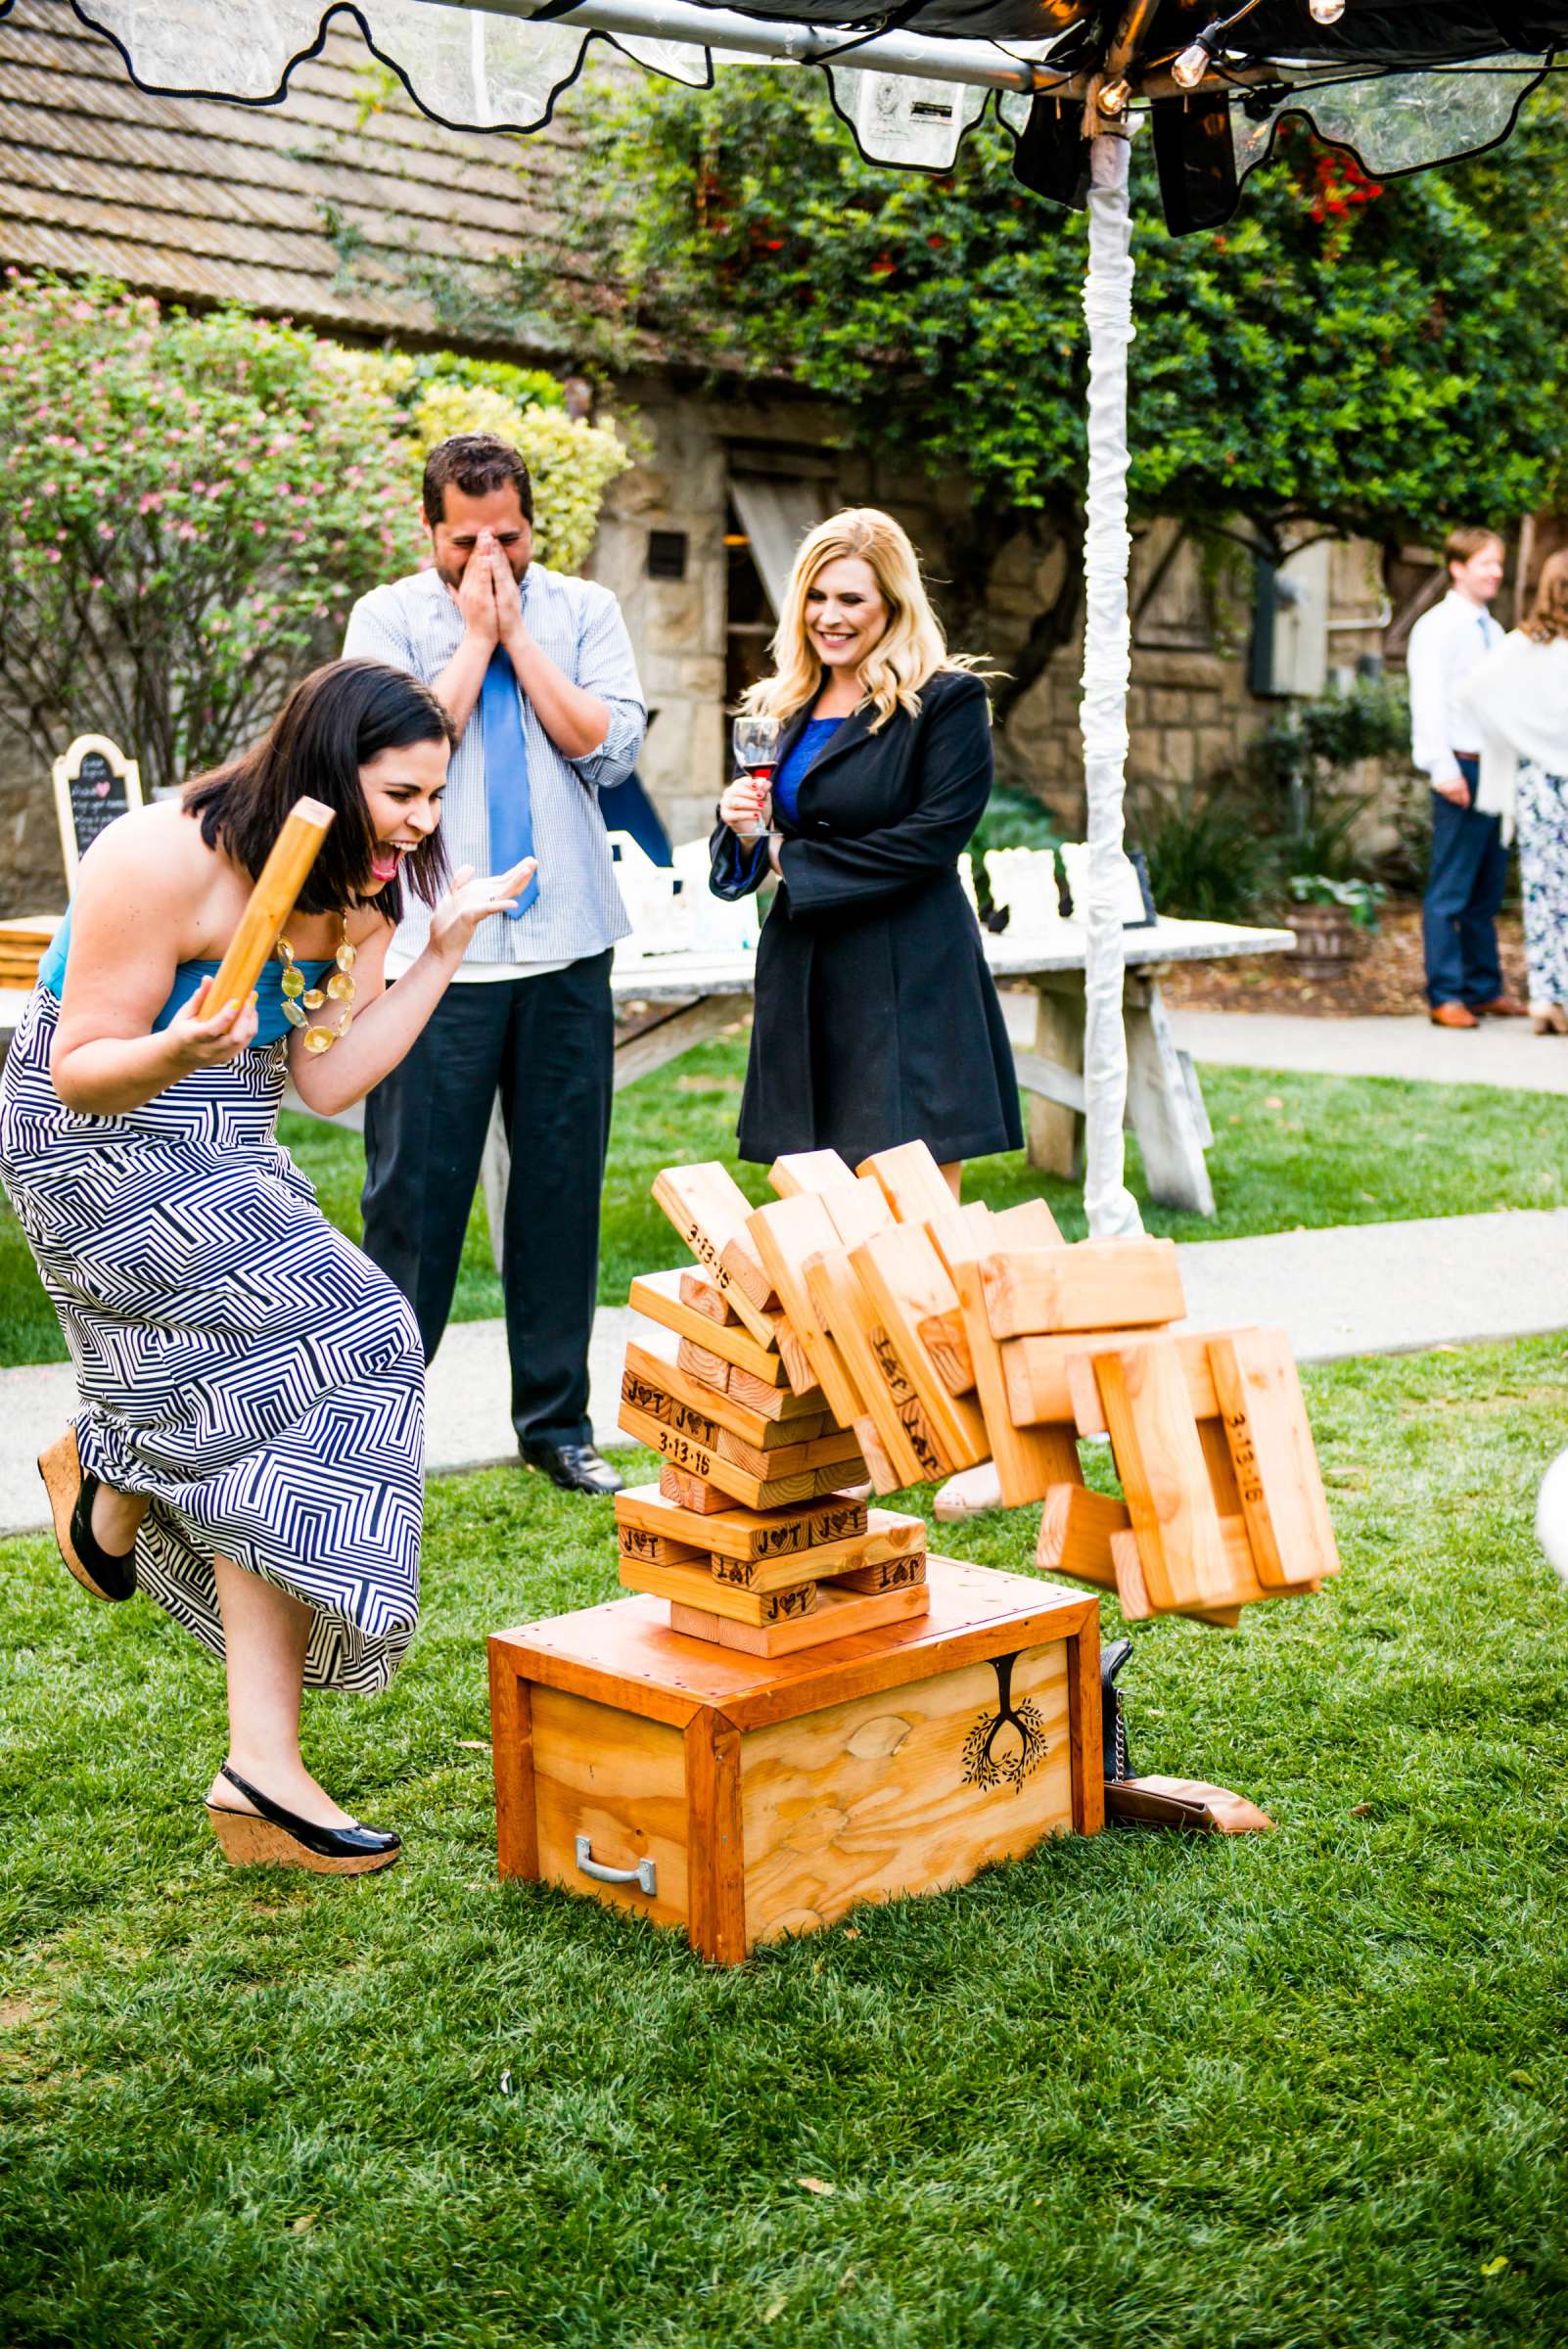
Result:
[755,741]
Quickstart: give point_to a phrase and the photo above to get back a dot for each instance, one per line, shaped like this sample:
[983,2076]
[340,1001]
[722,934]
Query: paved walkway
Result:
[1505,1053]
[1367,1288]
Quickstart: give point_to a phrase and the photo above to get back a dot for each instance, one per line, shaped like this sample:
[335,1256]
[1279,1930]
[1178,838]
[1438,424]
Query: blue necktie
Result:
[507,805]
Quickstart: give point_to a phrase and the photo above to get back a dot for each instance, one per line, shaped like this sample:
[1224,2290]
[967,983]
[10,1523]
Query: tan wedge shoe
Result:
[269,1836]
[70,1504]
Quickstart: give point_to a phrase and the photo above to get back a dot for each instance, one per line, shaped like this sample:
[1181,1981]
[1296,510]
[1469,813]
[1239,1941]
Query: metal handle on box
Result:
[645,1875]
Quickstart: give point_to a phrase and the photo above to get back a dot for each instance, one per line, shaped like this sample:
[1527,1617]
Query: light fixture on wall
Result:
[1325,11]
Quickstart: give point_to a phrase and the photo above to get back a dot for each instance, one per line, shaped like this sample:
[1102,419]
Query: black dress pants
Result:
[547,1047]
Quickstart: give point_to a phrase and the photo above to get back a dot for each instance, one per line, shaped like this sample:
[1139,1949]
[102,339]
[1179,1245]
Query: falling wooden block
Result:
[1160,1461]
[658,1549]
[838,1615]
[808,1170]
[1088,1413]
[788,1233]
[1133,1592]
[1074,1534]
[697,1587]
[1029,1460]
[911,1181]
[708,1209]
[909,1447]
[661,1297]
[747,1534]
[1029,1225]
[708,1368]
[1275,1462]
[909,1282]
[1094,1284]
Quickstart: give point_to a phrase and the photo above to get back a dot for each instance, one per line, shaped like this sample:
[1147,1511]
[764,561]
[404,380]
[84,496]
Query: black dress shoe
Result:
[71,1493]
[575,1467]
[271,1836]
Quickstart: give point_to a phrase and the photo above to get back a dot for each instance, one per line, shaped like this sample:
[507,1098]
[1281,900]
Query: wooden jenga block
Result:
[698,1292]
[808,1170]
[1029,1460]
[883,1574]
[1074,1534]
[838,1451]
[778,1401]
[708,1209]
[691,1493]
[788,1233]
[696,1586]
[1094,1284]
[658,1549]
[1029,1225]
[911,1181]
[700,1363]
[838,1615]
[1133,1594]
[887,1540]
[909,1282]
[947,1341]
[798,1371]
[909,1445]
[880,1469]
[722,1410]
[723,1529]
[661,1297]
[1159,1460]
[1275,1462]
[1087,1411]
[675,1439]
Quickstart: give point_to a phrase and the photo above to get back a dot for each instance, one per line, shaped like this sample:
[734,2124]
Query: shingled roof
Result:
[204,202]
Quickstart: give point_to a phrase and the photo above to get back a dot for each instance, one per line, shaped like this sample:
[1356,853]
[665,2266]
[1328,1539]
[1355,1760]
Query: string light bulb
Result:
[1114,96]
[1189,69]
[1325,11]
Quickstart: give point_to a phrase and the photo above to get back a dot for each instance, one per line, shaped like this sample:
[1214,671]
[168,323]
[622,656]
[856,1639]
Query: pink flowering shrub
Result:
[188,507]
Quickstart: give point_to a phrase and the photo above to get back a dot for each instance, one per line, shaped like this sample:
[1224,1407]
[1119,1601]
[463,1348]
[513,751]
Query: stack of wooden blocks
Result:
[863,1325]
[749,1533]
[25,940]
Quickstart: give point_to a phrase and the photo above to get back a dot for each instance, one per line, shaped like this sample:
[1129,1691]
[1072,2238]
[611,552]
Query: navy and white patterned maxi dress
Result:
[239,1361]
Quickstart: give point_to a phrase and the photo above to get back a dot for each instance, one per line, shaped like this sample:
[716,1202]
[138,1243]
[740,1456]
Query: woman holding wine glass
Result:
[866,765]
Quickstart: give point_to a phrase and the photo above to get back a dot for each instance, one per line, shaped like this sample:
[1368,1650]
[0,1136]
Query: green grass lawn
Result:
[1268,2093]
[1288,1150]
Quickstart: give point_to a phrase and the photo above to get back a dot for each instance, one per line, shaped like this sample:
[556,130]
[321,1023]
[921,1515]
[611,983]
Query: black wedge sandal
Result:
[272,1837]
[70,1502]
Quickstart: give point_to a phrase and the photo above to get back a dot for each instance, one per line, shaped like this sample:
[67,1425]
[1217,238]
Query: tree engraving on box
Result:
[992,1758]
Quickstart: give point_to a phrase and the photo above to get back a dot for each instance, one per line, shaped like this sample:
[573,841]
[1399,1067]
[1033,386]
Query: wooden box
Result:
[744,1797]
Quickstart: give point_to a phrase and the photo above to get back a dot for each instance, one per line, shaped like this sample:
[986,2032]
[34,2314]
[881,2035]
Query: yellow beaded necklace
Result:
[298,999]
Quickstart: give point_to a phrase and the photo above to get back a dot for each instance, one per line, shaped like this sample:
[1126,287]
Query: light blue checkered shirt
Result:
[415,625]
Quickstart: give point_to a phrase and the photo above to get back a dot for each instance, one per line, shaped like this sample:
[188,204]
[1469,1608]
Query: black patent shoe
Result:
[575,1467]
[70,1502]
[272,1837]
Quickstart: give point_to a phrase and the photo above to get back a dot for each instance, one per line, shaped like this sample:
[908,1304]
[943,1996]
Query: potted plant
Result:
[1332,920]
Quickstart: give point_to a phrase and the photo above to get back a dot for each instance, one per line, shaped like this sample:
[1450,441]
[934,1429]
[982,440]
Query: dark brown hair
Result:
[1467,540]
[1548,612]
[478,463]
[334,722]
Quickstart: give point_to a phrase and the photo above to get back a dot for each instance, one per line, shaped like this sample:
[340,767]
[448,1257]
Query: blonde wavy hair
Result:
[905,655]
[1548,612]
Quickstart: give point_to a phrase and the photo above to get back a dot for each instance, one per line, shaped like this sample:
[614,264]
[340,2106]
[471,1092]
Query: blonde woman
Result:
[1518,698]
[877,1022]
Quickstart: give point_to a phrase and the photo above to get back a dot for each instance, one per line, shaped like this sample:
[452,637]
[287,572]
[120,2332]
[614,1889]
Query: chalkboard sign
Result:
[94,783]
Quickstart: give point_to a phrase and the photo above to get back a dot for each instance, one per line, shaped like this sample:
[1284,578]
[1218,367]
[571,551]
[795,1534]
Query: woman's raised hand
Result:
[202,1037]
[468,902]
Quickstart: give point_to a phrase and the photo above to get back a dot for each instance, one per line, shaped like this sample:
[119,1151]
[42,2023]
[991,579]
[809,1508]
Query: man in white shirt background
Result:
[535,669]
[1470,862]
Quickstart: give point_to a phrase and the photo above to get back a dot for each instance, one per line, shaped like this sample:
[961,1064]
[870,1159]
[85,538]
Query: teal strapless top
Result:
[188,977]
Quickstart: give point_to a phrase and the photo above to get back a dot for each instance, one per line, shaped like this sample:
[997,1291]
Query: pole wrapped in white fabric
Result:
[1110,1207]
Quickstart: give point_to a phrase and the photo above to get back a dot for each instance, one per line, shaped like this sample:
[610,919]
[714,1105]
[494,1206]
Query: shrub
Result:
[1210,854]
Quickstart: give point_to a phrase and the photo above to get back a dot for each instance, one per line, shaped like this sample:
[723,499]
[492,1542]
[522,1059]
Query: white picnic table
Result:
[664,1003]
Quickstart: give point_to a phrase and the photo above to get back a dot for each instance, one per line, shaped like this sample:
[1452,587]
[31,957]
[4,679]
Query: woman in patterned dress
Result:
[248,1451]
[1518,696]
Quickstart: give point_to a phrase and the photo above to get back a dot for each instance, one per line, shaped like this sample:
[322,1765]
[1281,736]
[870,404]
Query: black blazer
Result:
[877,1022]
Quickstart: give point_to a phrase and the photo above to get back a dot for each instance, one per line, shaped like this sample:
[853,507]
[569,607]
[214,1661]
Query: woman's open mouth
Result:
[384,862]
